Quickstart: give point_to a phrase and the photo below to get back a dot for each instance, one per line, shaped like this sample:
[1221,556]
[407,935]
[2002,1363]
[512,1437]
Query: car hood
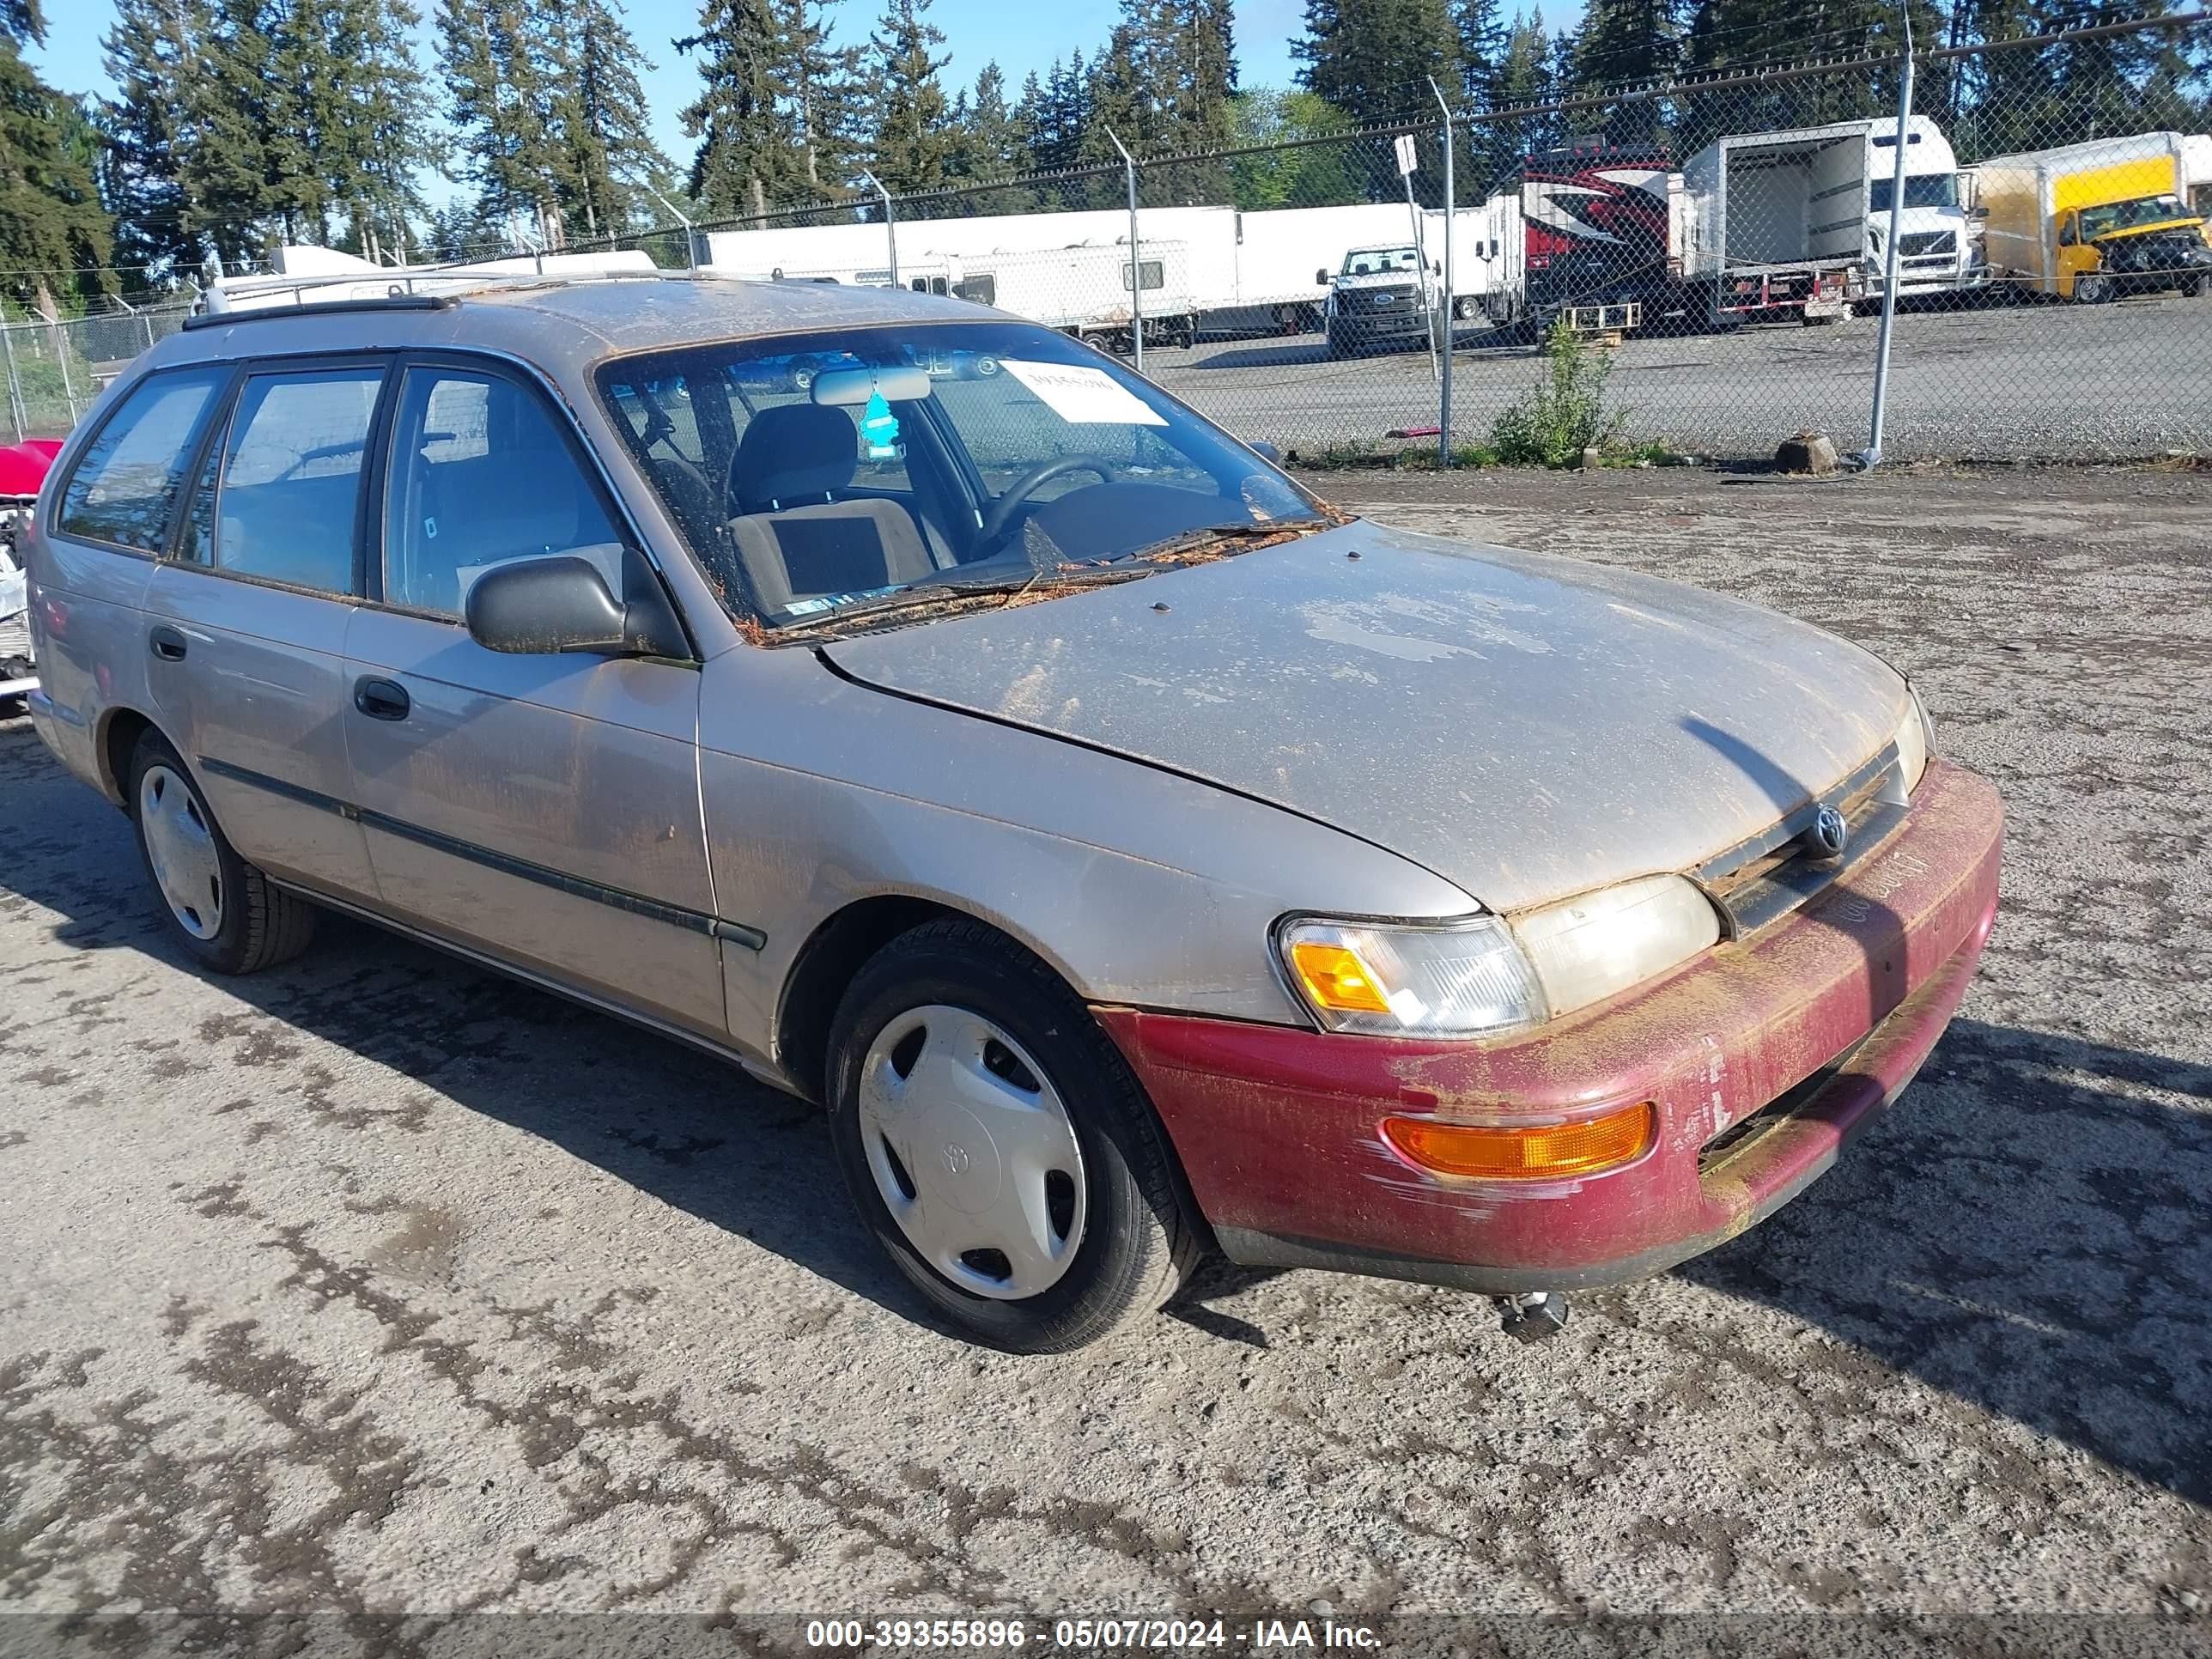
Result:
[1382,279]
[1526,727]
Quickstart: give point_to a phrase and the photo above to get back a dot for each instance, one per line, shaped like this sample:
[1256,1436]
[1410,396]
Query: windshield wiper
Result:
[1185,541]
[940,596]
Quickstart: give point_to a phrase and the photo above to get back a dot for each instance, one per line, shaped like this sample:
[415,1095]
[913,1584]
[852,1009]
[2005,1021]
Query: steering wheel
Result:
[994,521]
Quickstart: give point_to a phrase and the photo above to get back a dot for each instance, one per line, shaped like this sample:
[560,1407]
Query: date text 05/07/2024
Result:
[1088,1635]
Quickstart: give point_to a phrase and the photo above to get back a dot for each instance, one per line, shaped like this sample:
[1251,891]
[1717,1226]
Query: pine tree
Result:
[374,136]
[1521,78]
[777,118]
[503,67]
[993,142]
[601,122]
[744,156]
[149,56]
[1483,36]
[915,141]
[1375,57]
[55,233]
[1625,41]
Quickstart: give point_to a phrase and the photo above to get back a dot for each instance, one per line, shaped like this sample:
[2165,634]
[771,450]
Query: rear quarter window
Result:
[126,487]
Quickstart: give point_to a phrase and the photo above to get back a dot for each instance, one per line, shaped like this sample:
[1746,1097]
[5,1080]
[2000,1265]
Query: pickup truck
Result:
[1380,298]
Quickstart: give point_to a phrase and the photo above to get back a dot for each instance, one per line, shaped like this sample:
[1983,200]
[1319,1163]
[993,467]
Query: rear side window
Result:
[127,486]
[481,475]
[290,491]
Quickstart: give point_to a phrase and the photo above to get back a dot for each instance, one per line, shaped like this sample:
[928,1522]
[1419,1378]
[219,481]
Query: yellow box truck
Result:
[2093,221]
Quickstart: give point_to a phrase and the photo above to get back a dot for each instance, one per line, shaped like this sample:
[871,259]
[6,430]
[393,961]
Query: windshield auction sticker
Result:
[1082,396]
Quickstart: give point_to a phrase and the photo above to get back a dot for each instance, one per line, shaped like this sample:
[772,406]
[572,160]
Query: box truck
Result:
[1796,222]
[2091,221]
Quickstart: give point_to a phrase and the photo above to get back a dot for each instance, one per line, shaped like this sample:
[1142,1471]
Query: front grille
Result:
[1761,880]
[1924,242]
[15,637]
[1382,299]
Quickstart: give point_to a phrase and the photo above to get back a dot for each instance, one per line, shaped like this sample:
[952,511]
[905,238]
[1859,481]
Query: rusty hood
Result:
[1525,726]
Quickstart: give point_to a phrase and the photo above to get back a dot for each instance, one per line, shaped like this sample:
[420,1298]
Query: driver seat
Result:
[796,540]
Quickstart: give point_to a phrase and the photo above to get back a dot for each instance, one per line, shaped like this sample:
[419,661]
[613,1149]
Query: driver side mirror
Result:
[1321,277]
[1267,451]
[561,603]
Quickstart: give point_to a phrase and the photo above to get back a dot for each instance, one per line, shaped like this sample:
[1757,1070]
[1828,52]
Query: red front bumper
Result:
[1834,1007]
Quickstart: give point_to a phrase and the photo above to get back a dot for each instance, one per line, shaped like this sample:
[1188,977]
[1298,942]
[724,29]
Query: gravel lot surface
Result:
[380,1285]
[2024,382]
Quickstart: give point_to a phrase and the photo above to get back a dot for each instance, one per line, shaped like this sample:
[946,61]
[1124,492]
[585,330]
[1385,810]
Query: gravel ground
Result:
[380,1286]
[2032,382]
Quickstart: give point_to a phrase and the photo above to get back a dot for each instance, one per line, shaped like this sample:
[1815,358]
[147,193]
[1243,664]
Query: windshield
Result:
[2127,216]
[812,473]
[1379,261]
[1922,190]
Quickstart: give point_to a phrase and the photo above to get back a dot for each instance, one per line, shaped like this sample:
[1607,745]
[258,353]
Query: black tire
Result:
[262,924]
[2201,288]
[2095,288]
[1138,1241]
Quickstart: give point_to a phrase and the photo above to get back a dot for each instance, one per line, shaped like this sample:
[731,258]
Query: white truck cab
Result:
[1938,243]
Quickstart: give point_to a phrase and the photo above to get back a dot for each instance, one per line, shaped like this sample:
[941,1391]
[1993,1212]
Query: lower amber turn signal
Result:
[1551,1149]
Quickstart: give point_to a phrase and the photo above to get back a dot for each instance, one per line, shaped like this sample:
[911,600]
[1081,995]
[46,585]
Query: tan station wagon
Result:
[1135,856]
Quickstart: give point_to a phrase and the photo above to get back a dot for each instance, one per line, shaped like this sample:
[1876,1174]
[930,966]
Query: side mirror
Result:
[1436,267]
[1267,451]
[1978,213]
[561,603]
[1321,277]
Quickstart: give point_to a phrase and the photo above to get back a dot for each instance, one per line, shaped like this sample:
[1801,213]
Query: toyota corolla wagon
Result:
[1134,856]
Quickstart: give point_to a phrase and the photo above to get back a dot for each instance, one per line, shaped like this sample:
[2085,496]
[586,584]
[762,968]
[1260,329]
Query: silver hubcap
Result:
[973,1152]
[180,846]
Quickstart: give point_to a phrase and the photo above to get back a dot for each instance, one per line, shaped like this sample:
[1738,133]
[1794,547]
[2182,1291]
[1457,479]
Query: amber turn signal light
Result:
[1550,1150]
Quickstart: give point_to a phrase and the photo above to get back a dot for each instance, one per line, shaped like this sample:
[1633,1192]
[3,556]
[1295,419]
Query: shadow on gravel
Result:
[688,1128]
[2026,1230]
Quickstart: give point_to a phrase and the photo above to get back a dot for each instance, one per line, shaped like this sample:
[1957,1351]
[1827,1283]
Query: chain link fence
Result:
[55,369]
[1693,268]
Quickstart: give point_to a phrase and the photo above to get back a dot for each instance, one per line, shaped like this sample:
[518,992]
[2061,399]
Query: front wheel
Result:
[2095,289]
[997,1146]
[228,915]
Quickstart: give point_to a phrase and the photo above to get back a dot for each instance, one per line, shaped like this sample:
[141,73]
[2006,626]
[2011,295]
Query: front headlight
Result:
[1485,976]
[1587,948]
[1915,740]
[1457,979]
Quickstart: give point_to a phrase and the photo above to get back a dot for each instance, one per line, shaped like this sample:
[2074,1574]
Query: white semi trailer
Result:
[1206,270]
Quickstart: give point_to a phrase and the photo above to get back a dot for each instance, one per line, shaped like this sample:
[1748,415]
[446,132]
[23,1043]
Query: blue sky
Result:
[1021,36]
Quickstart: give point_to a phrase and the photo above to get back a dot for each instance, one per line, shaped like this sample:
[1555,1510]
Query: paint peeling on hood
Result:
[1526,727]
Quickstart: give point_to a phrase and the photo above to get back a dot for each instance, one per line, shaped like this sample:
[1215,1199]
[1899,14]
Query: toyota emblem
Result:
[1830,834]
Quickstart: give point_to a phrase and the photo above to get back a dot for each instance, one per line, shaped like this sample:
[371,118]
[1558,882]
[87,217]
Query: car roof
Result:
[561,324]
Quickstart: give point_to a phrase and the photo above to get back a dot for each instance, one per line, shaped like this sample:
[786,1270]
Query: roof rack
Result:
[406,288]
[384,302]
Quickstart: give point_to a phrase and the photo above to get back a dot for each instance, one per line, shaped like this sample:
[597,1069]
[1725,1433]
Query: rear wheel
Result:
[228,915]
[997,1146]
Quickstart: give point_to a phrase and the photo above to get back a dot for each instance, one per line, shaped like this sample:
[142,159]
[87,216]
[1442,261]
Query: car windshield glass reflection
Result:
[812,475]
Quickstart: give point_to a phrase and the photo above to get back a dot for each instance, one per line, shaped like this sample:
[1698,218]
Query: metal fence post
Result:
[1136,262]
[61,356]
[890,220]
[1443,395]
[16,413]
[1872,457]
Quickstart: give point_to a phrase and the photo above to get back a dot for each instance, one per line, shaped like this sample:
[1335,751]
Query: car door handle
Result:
[381,699]
[168,644]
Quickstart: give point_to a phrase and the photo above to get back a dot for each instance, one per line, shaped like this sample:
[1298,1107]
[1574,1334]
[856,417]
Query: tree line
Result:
[235,125]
